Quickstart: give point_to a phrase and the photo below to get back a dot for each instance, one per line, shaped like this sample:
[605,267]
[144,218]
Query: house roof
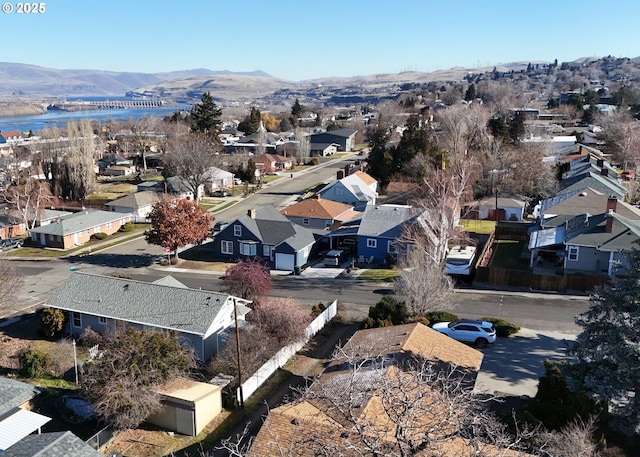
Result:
[367,179]
[586,201]
[385,220]
[344,133]
[17,425]
[136,200]
[56,444]
[174,308]
[355,185]
[624,235]
[302,238]
[14,393]
[77,222]
[271,158]
[317,208]
[214,173]
[273,228]
[503,202]
[603,184]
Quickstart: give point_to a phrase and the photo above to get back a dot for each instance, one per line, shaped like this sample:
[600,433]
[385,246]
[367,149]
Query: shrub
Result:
[386,312]
[316,310]
[503,328]
[90,338]
[100,236]
[52,322]
[33,363]
[127,227]
[440,316]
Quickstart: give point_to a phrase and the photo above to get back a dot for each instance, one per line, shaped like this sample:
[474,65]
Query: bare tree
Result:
[79,172]
[192,155]
[622,136]
[303,145]
[463,130]
[574,440]
[27,201]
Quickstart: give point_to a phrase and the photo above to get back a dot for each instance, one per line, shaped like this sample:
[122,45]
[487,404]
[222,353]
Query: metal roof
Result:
[18,425]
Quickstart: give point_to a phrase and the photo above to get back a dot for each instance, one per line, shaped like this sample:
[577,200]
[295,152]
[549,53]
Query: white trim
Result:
[226,247]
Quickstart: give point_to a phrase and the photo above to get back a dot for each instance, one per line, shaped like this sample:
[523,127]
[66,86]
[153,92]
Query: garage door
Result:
[285,261]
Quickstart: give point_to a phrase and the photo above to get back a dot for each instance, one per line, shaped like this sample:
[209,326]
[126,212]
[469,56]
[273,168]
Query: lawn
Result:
[378,274]
[508,254]
[477,226]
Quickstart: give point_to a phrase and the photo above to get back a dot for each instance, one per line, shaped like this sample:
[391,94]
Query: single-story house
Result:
[323,149]
[318,213]
[356,189]
[198,317]
[344,138]
[76,229]
[187,406]
[497,209]
[217,178]
[119,170]
[268,235]
[271,162]
[138,204]
[380,229]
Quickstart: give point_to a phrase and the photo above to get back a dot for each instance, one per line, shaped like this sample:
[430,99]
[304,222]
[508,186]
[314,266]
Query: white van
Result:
[333,258]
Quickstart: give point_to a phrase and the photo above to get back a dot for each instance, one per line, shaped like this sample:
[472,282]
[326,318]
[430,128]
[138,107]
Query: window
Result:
[392,248]
[328,223]
[237,230]
[305,221]
[109,225]
[248,248]
[102,320]
[266,250]
[372,243]
[226,247]
[573,253]
[77,320]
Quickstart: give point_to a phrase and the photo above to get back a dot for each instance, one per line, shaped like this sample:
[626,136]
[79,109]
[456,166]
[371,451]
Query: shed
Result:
[189,406]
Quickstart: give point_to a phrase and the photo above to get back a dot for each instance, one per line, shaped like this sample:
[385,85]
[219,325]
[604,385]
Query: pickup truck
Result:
[10,243]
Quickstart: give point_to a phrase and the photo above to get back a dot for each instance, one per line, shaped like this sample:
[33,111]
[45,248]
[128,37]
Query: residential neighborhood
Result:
[364,278]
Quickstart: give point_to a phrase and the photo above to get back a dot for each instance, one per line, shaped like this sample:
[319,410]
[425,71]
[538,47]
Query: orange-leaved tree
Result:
[175,224]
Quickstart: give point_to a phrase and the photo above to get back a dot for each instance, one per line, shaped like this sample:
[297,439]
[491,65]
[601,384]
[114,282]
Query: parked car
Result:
[481,333]
[10,243]
[333,258]
[220,193]
[220,225]
[237,181]
[628,175]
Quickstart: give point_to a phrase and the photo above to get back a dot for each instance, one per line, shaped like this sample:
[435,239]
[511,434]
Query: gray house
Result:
[344,138]
[357,190]
[199,317]
[138,204]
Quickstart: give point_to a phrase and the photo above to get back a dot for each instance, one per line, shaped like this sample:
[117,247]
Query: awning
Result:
[18,425]
[546,237]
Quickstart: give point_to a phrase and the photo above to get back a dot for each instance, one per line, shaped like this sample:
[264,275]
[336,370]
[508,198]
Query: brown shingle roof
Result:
[317,208]
[368,180]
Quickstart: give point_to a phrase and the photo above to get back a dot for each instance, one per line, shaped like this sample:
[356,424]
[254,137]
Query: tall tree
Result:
[191,157]
[608,348]
[379,159]
[251,122]
[205,117]
[175,224]
[27,201]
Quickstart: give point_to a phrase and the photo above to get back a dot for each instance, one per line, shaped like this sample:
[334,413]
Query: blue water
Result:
[37,123]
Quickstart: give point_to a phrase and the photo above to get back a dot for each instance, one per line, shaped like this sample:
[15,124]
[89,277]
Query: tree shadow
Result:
[115,260]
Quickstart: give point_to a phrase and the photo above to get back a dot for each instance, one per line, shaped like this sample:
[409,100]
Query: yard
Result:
[512,255]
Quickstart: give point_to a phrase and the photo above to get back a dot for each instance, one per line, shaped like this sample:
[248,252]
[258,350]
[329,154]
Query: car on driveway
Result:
[10,243]
[220,225]
[480,333]
[219,193]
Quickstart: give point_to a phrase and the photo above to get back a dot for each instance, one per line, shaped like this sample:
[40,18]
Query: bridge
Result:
[109,104]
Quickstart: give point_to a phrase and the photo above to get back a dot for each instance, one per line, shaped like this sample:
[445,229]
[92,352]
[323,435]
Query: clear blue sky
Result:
[304,39]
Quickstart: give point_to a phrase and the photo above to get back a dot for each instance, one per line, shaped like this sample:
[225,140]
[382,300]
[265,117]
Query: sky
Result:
[302,39]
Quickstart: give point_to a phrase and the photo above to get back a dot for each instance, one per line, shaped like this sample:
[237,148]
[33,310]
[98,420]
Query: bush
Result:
[33,363]
[316,310]
[52,322]
[440,316]
[127,227]
[503,328]
[100,236]
[387,312]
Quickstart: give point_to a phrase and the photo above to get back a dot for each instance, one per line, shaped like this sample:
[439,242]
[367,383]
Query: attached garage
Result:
[285,262]
[188,406]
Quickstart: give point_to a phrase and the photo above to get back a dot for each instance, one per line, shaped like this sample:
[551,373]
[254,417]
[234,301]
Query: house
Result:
[198,317]
[9,137]
[178,187]
[270,162]
[344,138]
[115,165]
[54,444]
[268,235]
[217,178]
[380,229]
[497,209]
[323,149]
[76,229]
[187,406]
[10,224]
[318,213]
[138,204]
[315,421]
[584,243]
[355,189]
[16,420]
[118,170]
[583,201]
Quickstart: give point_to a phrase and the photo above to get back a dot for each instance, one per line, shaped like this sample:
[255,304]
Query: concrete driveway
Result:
[513,365]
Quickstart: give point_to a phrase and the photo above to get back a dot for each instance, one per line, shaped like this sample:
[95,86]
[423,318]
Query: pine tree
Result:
[205,117]
[471,93]
[608,349]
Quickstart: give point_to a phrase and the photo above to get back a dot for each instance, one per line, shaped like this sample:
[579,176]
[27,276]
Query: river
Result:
[55,118]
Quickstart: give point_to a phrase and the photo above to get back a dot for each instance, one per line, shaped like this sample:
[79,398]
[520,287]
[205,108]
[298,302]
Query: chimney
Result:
[612,202]
[252,213]
[347,170]
[604,171]
[318,197]
[599,163]
[340,174]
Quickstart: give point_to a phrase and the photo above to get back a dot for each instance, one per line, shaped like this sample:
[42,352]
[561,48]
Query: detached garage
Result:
[188,406]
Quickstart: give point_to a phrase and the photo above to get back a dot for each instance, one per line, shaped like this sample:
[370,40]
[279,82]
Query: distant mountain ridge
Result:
[24,80]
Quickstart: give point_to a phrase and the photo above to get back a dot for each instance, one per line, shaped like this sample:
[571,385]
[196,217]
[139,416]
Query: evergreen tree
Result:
[251,123]
[205,117]
[297,109]
[415,140]
[471,93]
[608,349]
[379,160]
[516,127]
[499,129]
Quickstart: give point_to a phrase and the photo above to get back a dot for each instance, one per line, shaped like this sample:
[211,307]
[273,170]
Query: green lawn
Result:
[476,226]
[508,254]
[378,274]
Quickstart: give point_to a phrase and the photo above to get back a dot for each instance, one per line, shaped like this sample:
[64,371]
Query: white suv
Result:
[469,331]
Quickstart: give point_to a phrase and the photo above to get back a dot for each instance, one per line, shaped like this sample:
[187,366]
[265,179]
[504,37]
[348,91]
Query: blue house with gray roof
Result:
[268,235]
[380,229]
[198,317]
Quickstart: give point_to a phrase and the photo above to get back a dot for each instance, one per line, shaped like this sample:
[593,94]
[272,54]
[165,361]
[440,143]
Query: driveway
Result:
[513,365]
[319,270]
